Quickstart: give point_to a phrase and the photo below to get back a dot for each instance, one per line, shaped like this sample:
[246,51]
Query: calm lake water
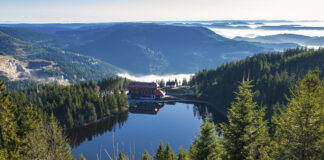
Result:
[141,129]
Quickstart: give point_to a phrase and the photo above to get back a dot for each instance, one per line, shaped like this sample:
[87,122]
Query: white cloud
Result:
[153,78]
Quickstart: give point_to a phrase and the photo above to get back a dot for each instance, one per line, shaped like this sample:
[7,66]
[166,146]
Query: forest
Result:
[76,104]
[29,134]
[33,120]
[295,131]
[273,75]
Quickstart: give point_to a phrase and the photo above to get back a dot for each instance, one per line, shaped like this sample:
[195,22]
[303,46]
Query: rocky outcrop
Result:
[13,69]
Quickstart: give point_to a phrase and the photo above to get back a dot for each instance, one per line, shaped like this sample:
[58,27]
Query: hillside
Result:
[152,48]
[273,76]
[144,48]
[25,63]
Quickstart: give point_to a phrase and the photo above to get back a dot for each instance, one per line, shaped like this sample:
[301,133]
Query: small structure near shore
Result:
[171,84]
[144,90]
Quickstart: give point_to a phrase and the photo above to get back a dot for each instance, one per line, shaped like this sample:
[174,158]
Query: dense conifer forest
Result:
[273,76]
[297,131]
[76,104]
[31,120]
[29,134]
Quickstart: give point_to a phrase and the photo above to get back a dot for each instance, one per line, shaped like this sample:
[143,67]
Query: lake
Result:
[140,129]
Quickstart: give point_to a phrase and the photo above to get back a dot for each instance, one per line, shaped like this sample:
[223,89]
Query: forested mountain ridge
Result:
[273,75]
[152,48]
[24,64]
[161,49]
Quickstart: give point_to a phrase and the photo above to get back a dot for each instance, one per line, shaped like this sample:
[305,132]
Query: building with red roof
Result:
[144,90]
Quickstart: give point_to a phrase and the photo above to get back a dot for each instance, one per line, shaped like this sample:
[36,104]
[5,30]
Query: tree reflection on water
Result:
[79,134]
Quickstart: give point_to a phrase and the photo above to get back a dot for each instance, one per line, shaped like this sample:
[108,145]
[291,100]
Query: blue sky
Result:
[157,10]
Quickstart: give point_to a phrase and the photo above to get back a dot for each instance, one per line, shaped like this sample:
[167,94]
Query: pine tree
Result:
[57,143]
[299,131]
[184,82]
[145,156]
[168,153]
[183,154]
[205,146]
[121,156]
[159,155]
[113,103]
[162,83]
[69,119]
[29,125]
[246,135]
[9,140]
[37,142]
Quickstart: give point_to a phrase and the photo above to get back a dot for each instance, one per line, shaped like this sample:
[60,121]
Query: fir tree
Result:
[168,153]
[299,131]
[246,135]
[205,146]
[162,83]
[57,142]
[184,82]
[121,156]
[69,119]
[183,154]
[145,156]
[159,155]
[29,125]
[9,140]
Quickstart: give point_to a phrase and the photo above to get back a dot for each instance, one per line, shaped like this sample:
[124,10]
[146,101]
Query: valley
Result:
[97,90]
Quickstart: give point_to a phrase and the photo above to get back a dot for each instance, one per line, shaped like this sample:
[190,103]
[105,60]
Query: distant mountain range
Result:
[286,38]
[145,48]
[142,48]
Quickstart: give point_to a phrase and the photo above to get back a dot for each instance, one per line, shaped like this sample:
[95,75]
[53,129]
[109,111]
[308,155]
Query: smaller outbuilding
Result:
[171,84]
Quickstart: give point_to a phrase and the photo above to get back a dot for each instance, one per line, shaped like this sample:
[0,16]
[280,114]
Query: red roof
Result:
[152,85]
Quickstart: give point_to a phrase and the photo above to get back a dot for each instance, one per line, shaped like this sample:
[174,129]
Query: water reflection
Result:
[202,110]
[146,108]
[80,134]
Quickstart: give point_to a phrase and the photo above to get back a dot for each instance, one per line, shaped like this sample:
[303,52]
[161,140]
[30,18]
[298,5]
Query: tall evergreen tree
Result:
[159,155]
[184,82]
[182,154]
[69,119]
[246,134]
[121,156]
[9,140]
[168,153]
[145,156]
[206,146]
[36,141]
[299,131]
[29,124]
[57,142]
[162,83]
